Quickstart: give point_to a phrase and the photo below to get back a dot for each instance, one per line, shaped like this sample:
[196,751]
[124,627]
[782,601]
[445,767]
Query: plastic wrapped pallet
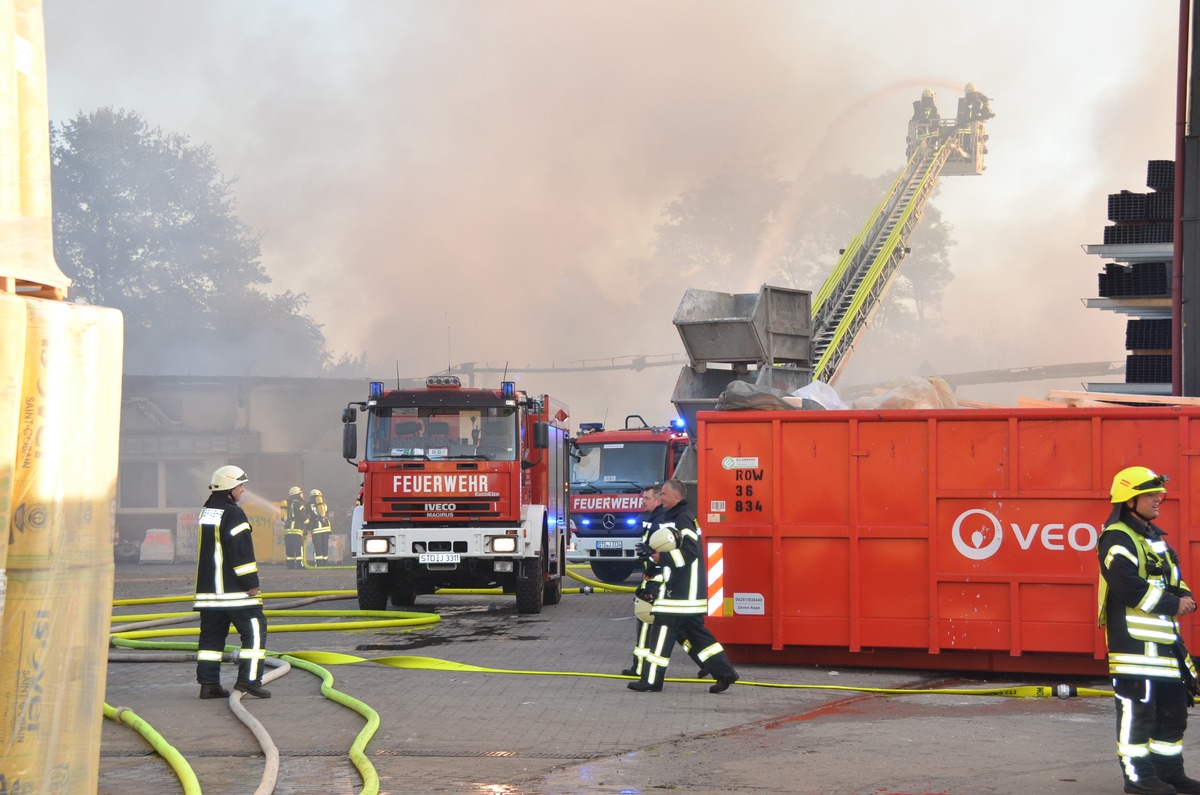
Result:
[12,357]
[60,562]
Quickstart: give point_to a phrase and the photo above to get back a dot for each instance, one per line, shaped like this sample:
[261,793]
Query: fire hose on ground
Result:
[157,625]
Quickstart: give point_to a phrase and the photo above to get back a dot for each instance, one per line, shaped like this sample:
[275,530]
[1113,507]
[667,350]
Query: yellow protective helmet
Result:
[1132,481]
[227,478]
[315,493]
[927,93]
[970,88]
[663,540]
[295,491]
[644,611]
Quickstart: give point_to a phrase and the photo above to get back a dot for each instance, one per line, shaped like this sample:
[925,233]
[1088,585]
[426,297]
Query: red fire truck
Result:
[462,487]
[609,470]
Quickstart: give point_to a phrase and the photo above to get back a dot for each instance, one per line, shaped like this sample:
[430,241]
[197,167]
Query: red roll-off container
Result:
[957,540]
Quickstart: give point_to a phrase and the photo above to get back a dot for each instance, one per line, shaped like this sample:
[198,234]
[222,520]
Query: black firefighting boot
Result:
[1170,770]
[213,691]
[1149,785]
[252,688]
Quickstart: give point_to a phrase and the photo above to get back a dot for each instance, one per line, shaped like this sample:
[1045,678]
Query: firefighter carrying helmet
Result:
[227,478]
[295,491]
[663,540]
[1132,481]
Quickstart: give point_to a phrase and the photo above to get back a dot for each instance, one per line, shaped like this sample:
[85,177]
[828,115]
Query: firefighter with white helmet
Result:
[318,513]
[227,589]
[296,520]
[1142,596]
[682,600]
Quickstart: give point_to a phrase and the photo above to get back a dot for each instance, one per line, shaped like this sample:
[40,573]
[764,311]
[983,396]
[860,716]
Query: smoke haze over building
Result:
[478,182]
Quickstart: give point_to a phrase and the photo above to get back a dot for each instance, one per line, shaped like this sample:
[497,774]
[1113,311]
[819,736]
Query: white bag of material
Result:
[822,393]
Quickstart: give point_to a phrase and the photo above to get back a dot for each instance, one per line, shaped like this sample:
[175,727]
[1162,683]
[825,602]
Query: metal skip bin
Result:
[772,326]
[954,539]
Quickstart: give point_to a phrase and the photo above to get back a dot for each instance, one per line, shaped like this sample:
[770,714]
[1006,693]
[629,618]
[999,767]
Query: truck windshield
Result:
[619,465]
[443,432]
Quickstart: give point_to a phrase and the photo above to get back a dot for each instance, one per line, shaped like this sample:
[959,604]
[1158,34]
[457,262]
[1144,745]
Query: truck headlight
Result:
[504,544]
[376,546]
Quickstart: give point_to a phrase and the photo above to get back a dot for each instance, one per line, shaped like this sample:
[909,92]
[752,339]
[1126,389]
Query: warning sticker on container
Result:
[749,604]
[713,518]
[736,462]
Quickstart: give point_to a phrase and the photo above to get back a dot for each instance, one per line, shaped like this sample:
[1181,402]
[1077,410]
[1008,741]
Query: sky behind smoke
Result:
[456,181]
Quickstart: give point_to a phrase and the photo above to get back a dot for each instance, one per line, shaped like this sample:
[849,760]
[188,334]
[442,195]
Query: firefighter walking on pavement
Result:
[1142,596]
[682,602]
[318,513]
[296,521]
[227,589]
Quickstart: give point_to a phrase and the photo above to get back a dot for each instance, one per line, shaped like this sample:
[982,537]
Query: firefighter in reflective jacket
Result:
[682,601]
[295,522]
[227,589]
[318,513]
[1141,595]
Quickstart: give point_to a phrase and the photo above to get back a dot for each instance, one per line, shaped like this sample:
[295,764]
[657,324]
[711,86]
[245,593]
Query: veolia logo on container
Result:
[978,534]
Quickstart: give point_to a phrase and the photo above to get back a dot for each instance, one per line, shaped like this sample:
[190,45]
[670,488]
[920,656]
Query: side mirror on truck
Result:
[541,435]
[349,436]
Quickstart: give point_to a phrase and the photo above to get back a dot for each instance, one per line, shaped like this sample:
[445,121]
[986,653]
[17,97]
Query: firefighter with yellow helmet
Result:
[318,513]
[296,520]
[1141,596]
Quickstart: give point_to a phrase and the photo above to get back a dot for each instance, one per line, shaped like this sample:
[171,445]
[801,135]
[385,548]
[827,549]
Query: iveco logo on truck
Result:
[440,506]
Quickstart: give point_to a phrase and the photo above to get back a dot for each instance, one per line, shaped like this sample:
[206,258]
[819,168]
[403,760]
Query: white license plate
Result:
[439,557]
[608,545]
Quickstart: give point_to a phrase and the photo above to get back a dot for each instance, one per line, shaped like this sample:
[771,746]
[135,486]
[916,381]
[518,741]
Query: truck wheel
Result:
[404,593]
[552,594]
[372,591]
[531,588]
[613,573]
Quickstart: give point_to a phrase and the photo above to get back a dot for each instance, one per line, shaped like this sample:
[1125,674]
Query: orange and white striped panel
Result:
[716,578]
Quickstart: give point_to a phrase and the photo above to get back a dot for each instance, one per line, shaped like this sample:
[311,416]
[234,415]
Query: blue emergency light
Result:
[678,424]
[508,389]
[631,521]
[586,522]
[376,390]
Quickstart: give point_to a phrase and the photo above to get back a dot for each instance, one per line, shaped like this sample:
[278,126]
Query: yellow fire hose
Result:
[312,661]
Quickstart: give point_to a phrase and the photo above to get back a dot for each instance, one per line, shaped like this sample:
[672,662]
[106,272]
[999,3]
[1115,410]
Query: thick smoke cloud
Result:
[458,181]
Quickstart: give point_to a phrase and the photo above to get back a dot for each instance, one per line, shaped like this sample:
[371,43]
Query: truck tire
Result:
[404,593]
[552,594]
[372,590]
[613,573]
[531,589]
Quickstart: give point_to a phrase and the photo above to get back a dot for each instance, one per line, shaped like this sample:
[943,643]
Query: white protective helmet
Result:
[643,610]
[663,540]
[227,478]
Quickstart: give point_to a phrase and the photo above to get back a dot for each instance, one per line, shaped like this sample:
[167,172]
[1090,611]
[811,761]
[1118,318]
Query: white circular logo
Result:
[976,549]
[727,462]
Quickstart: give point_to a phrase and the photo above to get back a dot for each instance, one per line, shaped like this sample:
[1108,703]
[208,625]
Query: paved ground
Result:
[468,732]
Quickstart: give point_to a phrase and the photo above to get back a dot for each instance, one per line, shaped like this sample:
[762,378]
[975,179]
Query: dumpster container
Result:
[772,326]
[943,539]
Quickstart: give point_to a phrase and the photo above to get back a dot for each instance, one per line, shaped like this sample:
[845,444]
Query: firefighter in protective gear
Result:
[1141,596]
[644,596]
[296,520]
[227,589]
[318,513]
[682,601]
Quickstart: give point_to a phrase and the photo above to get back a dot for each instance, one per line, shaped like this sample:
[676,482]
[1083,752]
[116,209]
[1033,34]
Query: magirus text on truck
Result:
[462,487]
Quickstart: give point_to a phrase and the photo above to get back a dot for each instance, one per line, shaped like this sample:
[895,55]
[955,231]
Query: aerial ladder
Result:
[867,266]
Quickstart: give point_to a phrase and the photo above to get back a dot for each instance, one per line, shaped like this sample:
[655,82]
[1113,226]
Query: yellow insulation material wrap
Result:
[12,357]
[60,562]
[26,242]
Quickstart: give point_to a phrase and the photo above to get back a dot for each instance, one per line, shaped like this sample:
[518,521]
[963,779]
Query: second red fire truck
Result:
[609,471]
